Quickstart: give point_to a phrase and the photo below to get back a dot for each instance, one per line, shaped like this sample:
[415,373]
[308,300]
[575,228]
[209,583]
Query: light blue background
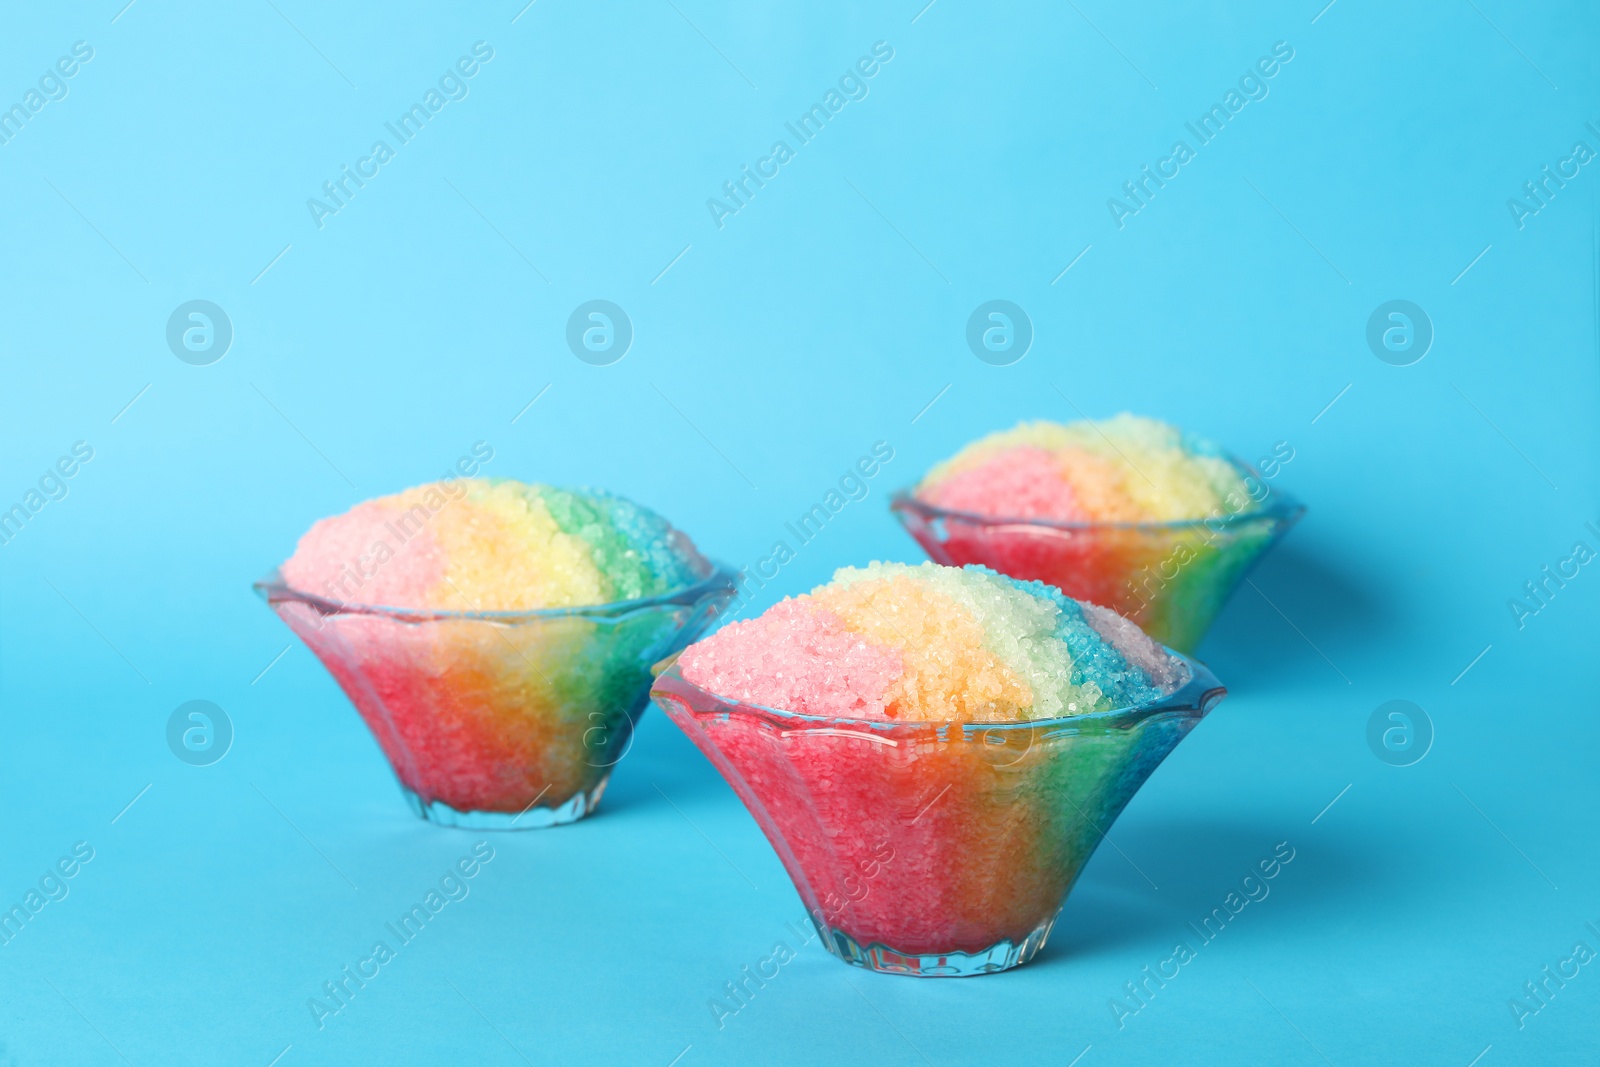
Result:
[823,317]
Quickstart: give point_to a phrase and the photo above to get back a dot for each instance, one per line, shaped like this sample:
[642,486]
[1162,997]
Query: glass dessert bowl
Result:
[1130,513]
[1171,578]
[934,752]
[497,635]
[502,720]
[935,848]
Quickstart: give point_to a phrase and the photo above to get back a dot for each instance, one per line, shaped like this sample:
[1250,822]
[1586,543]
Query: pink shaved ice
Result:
[798,658]
[336,548]
[1019,483]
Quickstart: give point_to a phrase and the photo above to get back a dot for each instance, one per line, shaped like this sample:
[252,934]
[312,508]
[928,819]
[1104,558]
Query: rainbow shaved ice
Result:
[931,643]
[934,752]
[1122,469]
[1129,513]
[497,636]
[492,545]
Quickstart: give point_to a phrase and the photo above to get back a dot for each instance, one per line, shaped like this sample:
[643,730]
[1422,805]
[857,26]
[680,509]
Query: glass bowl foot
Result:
[535,817]
[1001,956]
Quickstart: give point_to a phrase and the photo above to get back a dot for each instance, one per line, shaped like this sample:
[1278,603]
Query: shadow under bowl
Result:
[1171,578]
[500,720]
[935,848]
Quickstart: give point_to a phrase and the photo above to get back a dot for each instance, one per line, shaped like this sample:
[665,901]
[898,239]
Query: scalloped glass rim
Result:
[1196,696]
[1279,505]
[717,577]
